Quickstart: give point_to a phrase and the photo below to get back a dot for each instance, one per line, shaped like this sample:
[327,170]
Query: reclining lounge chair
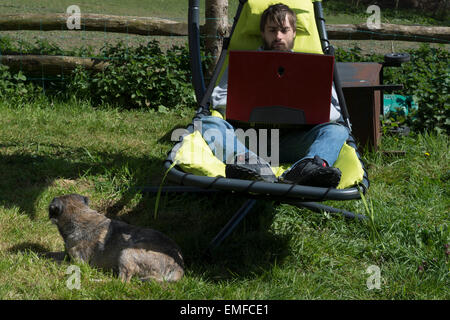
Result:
[186,164]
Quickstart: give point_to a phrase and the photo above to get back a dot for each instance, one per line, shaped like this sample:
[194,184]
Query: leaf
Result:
[162,109]
[158,195]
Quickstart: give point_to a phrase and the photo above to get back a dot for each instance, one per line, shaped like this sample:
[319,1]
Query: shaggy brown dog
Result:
[114,245]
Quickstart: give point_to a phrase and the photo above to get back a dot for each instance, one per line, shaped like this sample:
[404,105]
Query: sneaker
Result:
[313,172]
[257,169]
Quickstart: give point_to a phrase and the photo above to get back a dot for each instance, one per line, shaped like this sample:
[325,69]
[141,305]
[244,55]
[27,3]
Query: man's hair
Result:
[277,13]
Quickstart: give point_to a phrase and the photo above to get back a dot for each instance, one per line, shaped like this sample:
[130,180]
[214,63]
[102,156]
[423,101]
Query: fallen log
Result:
[388,31]
[45,66]
[148,26]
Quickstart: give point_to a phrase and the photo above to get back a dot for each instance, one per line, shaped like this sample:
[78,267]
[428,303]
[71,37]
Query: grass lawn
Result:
[278,252]
[50,147]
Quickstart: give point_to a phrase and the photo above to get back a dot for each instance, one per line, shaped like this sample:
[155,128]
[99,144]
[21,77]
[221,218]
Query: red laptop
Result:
[279,87]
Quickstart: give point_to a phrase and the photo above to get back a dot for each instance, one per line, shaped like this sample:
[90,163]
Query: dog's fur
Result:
[114,245]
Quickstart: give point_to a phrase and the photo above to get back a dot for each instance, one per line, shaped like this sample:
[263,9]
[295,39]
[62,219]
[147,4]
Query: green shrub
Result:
[436,14]
[14,86]
[147,77]
[355,55]
[427,78]
[140,77]
[41,46]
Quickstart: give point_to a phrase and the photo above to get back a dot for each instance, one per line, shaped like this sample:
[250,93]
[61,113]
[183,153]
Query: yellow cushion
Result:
[350,166]
[278,171]
[194,156]
[216,113]
[247,35]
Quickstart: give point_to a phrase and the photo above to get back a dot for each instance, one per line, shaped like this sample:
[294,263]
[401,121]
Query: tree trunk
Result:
[216,28]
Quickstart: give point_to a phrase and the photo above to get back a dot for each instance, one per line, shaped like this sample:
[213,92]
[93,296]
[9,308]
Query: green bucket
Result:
[399,105]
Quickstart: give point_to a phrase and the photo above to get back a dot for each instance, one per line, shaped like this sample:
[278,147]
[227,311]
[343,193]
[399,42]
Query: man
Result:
[313,152]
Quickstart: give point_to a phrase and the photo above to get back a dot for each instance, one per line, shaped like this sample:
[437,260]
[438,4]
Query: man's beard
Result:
[271,46]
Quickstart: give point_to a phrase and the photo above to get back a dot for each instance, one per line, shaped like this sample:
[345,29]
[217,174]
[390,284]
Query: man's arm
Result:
[219,94]
[335,108]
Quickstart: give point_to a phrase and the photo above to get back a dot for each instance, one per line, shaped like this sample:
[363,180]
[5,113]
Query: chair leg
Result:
[227,229]
[231,225]
[317,207]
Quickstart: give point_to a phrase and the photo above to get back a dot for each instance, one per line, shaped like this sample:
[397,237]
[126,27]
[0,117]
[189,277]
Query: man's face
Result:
[278,38]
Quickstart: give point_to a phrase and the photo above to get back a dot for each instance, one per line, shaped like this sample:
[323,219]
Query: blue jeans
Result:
[221,138]
[324,140]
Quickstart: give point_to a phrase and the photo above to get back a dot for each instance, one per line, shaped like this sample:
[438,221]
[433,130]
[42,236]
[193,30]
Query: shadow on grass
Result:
[24,177]
[192,221]
[40,250]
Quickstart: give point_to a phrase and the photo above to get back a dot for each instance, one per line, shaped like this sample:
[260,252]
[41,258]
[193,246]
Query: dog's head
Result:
[67,205]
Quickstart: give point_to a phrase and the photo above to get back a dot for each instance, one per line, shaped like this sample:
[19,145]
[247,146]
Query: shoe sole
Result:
[238,172]
[320,178]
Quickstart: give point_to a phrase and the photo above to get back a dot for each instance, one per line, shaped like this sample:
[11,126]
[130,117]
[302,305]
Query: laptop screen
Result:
[279,87]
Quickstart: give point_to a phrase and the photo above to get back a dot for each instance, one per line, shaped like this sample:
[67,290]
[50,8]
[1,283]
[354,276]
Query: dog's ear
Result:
[56,208]
[81,198]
